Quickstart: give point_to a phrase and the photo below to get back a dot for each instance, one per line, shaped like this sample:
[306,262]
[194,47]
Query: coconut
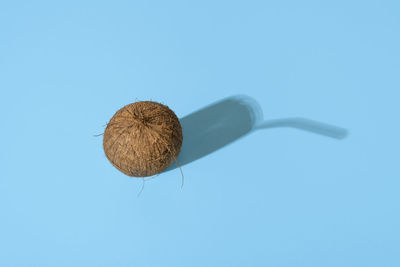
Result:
[143,138]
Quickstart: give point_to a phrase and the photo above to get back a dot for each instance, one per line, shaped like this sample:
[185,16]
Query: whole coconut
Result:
[143,138]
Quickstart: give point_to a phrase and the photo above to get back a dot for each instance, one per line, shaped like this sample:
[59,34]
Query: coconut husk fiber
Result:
[143,138]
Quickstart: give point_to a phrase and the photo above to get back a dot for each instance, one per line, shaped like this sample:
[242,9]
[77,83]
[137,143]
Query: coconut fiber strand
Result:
[143,138]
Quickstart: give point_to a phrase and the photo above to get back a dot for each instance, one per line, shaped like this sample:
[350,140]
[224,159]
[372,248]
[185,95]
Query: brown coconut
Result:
[143,138]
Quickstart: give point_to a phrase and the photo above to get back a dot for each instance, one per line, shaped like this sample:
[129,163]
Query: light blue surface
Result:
[276,197]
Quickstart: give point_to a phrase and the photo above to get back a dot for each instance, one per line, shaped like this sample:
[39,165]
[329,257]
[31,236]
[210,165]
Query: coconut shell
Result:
[143,138]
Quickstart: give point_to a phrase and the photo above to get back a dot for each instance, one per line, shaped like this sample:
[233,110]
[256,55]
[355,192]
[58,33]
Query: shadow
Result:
[306,125]
[223,122]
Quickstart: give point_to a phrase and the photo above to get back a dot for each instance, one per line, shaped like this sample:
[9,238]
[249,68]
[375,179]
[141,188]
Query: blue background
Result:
[277,197]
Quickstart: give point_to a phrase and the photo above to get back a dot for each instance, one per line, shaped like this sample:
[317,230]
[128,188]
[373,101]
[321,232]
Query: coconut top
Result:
[143,138]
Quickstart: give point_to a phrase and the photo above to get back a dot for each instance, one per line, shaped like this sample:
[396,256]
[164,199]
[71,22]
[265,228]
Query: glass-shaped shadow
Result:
[224,122]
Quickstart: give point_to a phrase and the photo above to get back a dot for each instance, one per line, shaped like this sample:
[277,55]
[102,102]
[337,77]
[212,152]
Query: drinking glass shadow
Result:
[224,122]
